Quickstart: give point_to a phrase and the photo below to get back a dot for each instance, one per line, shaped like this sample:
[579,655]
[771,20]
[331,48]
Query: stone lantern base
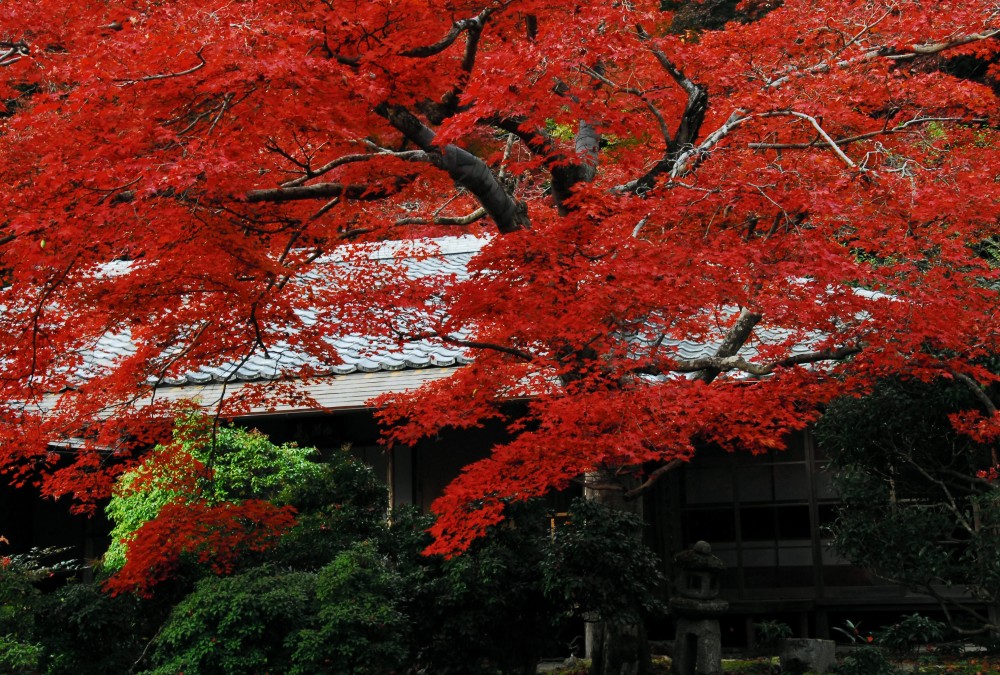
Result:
[698,647]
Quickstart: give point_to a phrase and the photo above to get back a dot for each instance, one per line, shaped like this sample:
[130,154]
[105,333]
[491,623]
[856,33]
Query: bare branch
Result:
[886,53]
[163,76]
[819,129]
[641,95]
[847,140]
[646,182]
[410,155]
[357,191]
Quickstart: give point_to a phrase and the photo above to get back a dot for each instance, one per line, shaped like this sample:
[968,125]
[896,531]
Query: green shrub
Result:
[359,627]
[910,633]
[19,603]
[485,611]
[55,632]
[80,615]
[866,660]
[908,485]
[769,634]
[238,624]
[592,568]
[339,503]
[18,657]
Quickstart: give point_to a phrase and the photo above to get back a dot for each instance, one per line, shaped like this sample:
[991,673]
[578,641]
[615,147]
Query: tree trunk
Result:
[620,646]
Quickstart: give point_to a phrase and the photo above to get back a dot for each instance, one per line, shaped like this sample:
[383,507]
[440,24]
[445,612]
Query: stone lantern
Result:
[696,607]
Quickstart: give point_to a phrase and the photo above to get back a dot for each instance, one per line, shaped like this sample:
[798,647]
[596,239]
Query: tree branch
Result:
[846,140]
[720,364]
[819,129]
[472,344]
[471,24]
[467,219]
[565,172]
[163,76]
[466,169]
[409,155]
[14,52]
[687,129]
[355,191]
[986,402]
[886,53]
[977,391]
[681,164]
[651,480]
[733,342]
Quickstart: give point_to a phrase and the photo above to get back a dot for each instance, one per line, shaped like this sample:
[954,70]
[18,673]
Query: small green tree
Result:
[221,465]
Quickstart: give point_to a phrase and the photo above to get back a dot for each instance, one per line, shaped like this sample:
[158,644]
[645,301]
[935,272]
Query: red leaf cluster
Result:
[211,535]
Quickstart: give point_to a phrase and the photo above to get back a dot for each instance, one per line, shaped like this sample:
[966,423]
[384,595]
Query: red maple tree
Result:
[707,221]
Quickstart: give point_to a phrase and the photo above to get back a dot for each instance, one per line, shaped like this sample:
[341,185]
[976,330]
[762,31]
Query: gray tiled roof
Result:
[448,256]
[366,354]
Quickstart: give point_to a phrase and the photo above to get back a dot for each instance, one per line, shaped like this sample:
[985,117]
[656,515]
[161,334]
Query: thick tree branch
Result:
[13,51]
[689,159]
[733,342]
[565,172]
[465,169]
[721,364]
[473,25]
[685,162]
[448,104]
[697,104]
[467,219]
[687,129]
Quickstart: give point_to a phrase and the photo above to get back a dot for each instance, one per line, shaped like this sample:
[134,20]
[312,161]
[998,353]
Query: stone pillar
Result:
[696,608]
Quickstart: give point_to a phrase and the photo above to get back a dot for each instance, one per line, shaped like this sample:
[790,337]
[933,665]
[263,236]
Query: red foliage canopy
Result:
[811,189]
